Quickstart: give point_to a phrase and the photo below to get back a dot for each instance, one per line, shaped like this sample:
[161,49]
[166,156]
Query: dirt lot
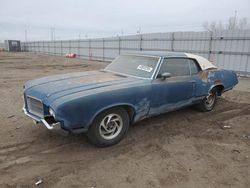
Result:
[184,148]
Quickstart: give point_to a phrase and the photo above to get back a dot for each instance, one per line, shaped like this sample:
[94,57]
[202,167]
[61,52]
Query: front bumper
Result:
[41,120]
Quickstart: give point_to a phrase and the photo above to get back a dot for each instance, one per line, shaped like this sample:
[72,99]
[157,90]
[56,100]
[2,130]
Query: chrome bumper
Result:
[38,120]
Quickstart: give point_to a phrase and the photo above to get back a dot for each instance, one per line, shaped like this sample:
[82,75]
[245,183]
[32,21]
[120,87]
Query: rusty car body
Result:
[133,87]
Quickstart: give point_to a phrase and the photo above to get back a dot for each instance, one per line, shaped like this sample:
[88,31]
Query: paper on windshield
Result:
[144,68]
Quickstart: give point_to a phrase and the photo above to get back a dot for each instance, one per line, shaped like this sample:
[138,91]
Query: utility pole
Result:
[139,30]
[25,35]
[53,33]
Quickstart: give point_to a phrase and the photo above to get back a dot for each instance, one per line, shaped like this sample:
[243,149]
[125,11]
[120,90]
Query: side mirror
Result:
[164,75]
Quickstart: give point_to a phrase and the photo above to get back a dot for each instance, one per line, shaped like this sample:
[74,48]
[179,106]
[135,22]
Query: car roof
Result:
[203,62]
[158,53]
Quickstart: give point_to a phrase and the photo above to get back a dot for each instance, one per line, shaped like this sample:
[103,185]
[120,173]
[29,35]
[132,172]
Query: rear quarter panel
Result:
[208,79]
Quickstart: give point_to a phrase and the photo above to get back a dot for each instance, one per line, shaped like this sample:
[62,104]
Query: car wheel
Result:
[109,127]
[208,102]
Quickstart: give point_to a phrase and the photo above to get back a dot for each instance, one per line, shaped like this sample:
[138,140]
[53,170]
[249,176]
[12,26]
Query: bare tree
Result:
[213,26]
[233,23]
[205,25]
[220,26]
[244,23]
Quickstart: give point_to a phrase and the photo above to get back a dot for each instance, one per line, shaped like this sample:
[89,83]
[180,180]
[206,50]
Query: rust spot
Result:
[203,75]
[217,82]
[95,78]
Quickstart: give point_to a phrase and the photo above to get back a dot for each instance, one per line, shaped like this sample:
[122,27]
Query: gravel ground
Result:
[184,148]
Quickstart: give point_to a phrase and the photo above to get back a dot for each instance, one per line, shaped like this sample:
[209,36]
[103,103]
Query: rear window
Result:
[193,67]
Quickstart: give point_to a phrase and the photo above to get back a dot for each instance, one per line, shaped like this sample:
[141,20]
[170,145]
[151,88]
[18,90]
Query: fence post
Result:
[69,46]
[78,50]
[247,64]
[54,47]
[61,48]
[38,49]
[172,42]
[210,45]
[48,47]
[43,47]
[103,49]
[119,45]
[140,42]
[90,51]
[34,46]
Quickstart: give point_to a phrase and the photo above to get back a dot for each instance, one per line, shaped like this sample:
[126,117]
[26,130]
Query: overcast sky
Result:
[99,18]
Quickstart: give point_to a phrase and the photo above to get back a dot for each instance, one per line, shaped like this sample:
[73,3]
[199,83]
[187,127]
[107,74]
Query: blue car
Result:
[134,86]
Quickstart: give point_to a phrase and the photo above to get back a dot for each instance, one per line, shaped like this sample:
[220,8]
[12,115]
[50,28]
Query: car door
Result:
[173,92]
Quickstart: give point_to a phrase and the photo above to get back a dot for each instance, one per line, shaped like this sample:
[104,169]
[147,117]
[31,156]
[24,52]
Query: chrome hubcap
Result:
[210,99]
[111,126]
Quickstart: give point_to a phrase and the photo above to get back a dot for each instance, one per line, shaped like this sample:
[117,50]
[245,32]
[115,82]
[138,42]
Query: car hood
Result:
[54,87]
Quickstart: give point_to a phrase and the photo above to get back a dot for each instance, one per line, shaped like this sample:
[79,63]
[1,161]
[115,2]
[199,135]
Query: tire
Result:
[208,103]
[103,134]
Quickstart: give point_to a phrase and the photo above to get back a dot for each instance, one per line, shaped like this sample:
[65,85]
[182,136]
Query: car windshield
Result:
[139,66]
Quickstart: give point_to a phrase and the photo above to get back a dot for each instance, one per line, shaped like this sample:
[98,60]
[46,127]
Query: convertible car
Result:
[134,86]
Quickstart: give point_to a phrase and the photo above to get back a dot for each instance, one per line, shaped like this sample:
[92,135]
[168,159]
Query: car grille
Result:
[35,106]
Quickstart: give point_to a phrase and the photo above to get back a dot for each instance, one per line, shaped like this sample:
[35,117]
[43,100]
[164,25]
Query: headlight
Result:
[51,112]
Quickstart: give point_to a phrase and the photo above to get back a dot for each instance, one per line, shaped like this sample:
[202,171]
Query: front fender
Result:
[80,112]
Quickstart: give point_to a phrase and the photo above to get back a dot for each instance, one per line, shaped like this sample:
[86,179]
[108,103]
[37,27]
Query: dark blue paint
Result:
[79,97]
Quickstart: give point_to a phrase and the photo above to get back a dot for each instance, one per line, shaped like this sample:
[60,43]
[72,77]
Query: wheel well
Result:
[130,110]
[219,89]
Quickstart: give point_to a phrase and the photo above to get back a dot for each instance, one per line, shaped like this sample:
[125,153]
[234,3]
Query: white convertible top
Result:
[203,62]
